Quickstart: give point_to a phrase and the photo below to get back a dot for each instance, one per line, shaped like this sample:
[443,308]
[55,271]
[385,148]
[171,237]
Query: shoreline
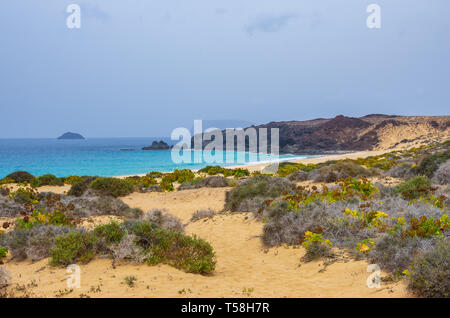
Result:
[316,159]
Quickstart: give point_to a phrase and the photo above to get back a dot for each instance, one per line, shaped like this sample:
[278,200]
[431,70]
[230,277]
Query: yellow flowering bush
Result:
[365,246]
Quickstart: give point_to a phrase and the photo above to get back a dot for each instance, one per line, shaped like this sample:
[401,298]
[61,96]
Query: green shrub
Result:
[47,179]
[6,181]
[72,247]
[112,186]
[188,253]
[166,184]
[20,176]
[3,252]
[25,195]
[191,254]
[340,170]
[79,188]
[142,182]
[236,173]
[154,174]
[414,188]
[72,180]
[111,232]
[430,272]
[430,163]
[212,170]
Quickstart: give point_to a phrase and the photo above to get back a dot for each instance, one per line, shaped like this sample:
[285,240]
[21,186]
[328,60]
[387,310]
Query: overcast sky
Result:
[144,67]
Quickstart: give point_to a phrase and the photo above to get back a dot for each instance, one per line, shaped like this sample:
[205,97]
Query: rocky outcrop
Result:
[71,135]
[157,145]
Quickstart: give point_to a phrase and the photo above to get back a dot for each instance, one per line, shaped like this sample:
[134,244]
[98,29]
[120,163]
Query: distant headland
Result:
[71,135]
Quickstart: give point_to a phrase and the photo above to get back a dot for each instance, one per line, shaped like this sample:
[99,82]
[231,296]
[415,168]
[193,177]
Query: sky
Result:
[142,68]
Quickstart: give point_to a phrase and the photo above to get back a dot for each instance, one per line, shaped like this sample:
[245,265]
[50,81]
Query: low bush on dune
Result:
[111,233]
[16,242]
[316,246]
[237,173]
[208,182]
[166,184]
[47,180]
[41,238]
[73,247]
[20,176]
[429,164]
[179,176]
[24,195]
[394,253]
[287,168]
[202,214]
[340,170]
[403,171]
[6,181]
[141,182]
[212,170]
[442,174]
[154,174]
[73,179]
[429,273]
[3,253]
[415,188]
[261,186]
[298,176]
[79,188]
[164,220]
[112,187]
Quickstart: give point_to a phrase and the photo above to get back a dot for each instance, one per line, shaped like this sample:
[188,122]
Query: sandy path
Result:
[242,262]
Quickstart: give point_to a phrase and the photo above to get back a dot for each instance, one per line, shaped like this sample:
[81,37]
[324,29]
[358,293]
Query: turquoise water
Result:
[95,156]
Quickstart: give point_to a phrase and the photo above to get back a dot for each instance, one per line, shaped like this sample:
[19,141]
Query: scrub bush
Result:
[73,247]
[164,220]
[442,174]
[20,176]
[79,188]
[112,186]
[47,179]
[414,188]
[260,186]
[429,275]
[429,164]
[340,170]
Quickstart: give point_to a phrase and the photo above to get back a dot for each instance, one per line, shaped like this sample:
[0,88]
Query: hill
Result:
[370,132]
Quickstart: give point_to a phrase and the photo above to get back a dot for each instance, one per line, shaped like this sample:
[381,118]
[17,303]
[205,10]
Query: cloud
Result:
[270,24]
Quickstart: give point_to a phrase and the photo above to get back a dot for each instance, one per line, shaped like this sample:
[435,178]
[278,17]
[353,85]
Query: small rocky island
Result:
[157,145]
[71,136]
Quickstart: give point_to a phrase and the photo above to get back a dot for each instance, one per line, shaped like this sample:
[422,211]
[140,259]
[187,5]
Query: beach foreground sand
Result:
[244,267]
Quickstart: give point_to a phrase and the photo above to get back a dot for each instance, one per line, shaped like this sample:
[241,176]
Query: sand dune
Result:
[242,263]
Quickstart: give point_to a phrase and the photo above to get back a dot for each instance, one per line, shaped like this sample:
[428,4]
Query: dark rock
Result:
[71,136]
[157,145]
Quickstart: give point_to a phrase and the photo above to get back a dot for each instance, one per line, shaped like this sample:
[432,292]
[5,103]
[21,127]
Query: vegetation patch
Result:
[20,177]
[47,180]
[112,186]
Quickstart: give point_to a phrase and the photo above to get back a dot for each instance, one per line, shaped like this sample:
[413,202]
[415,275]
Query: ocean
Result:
[97,157]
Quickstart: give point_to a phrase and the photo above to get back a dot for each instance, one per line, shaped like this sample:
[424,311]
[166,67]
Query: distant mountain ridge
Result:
[370,132]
